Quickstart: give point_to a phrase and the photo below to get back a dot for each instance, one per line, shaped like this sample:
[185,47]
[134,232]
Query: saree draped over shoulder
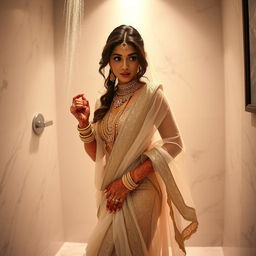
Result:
[155,219]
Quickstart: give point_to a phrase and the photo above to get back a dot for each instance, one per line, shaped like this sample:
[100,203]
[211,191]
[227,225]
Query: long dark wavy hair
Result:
[115,38]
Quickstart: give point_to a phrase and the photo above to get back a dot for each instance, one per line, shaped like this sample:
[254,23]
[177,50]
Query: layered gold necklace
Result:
[108,126]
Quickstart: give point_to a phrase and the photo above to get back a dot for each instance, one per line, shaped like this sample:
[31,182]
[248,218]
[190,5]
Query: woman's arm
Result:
[142,171]
[90,149]
[169,132]
[80,108]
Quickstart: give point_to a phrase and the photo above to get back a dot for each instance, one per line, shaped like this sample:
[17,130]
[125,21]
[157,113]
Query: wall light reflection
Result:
[133,11]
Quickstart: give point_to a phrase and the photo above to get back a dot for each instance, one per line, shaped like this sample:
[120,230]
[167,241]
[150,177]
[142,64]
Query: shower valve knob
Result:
[38,124]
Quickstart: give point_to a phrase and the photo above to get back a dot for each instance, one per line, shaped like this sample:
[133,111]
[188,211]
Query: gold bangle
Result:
[126,183]
[84,129]
[86,136]
[127,180]
[88,140]
[130,180]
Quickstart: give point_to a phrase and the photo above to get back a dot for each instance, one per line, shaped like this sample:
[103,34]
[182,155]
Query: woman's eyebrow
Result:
[133,53]
[117,54]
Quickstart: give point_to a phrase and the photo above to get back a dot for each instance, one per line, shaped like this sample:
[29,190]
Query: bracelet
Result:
[87,138]
[128,182]
[84,129]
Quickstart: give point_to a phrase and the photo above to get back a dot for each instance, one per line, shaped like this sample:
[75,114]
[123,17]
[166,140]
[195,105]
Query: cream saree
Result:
[154,219]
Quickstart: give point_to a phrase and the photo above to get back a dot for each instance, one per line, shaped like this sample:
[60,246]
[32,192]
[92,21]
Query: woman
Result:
[137,197]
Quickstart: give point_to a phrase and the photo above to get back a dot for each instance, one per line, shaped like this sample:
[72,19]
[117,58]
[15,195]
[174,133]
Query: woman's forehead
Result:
[119,49]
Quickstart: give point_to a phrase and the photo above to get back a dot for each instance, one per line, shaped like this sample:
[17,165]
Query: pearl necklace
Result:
[124,92]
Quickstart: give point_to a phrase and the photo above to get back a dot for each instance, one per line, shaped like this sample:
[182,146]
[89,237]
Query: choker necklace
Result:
[124,92]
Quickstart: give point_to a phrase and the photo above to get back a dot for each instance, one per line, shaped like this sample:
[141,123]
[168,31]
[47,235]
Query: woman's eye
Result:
[133,58]
[116,58]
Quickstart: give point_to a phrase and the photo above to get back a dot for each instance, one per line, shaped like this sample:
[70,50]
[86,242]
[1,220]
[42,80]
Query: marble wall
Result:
[183,40]
[30,198]
[184,43]
[240,178]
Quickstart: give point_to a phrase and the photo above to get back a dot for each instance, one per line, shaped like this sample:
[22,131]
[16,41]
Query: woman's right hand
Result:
[80,108]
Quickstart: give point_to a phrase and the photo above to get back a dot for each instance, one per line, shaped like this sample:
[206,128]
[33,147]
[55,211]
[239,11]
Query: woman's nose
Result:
[124,65]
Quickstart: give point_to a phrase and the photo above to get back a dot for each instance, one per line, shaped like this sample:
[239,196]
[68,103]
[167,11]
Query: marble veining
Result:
[8,169]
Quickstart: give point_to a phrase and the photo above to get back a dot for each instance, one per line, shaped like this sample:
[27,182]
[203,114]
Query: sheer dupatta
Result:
[133,145]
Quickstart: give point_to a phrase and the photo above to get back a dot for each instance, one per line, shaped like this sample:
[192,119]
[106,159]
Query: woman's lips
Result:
[125,74]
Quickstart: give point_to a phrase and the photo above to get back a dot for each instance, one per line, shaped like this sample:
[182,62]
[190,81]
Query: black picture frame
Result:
[249,23]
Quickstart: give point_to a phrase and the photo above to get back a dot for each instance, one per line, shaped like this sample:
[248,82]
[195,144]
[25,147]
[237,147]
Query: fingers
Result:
[77,108]
[80,100]
[115,194]
[80,103]
[108,194]
[81,95]
[80,107]
[114,205]
[119,206]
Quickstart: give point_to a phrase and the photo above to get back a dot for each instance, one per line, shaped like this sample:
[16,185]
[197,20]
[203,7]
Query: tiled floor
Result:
[77,249]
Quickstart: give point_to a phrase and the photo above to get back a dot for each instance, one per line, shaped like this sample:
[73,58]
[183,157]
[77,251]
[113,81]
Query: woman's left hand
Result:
[115,193]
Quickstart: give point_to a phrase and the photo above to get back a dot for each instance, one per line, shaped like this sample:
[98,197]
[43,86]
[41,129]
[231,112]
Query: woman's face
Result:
[124,63]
